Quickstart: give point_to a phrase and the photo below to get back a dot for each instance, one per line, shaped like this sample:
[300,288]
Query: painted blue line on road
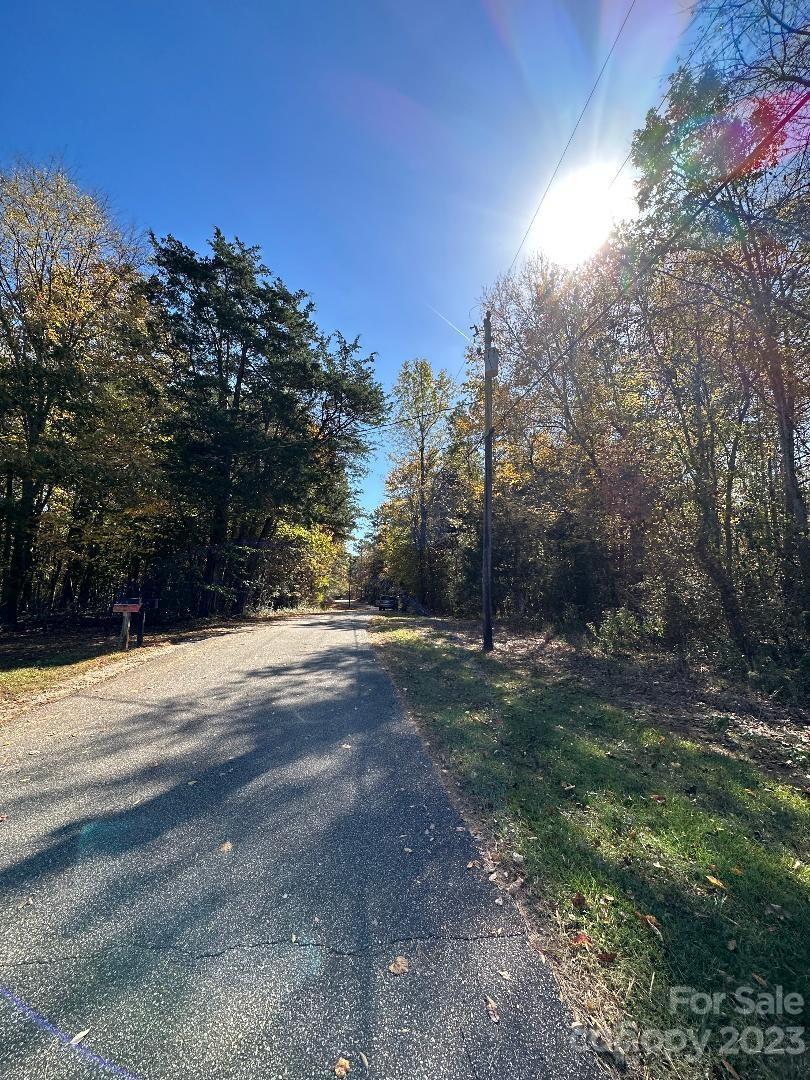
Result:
[51,1029]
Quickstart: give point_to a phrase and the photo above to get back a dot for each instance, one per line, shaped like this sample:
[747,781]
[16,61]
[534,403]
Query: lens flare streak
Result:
[50,1029]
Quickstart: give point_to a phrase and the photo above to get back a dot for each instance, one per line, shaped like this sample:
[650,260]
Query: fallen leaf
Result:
[499,901]
[718,884]
[579,901]
[731,945]
[652,922]
[606,958]
[658,799]
[399,965]
[505,975]
[226,847]
[342,1067]
[582,939]
[191,783]
[729,1068]
[408,850]
[759,979]
[78,1038]
[363,1058]
[736,870]
[492,1009]
[518,858]
[472,864]
[3,817]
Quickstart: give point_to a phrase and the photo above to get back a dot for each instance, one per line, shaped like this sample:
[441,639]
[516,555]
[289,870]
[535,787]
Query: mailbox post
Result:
[128,608]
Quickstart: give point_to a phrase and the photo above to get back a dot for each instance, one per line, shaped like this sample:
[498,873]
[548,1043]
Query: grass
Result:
[33,662]
[651,858]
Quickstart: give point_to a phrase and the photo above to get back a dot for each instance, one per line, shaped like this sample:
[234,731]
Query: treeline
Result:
[171,422]
[652,423]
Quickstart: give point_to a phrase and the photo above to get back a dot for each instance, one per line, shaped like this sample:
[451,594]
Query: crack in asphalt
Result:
[333,950]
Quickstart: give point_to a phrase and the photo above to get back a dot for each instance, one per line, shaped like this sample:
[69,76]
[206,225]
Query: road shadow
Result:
[290,827]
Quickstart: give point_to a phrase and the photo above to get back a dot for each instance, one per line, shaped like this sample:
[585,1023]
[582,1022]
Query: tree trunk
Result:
[422,545]
[707,547]
[796,550]
[24,520]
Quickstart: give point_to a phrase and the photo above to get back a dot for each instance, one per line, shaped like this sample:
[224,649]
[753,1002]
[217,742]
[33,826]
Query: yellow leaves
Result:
[492,1009]
[399,965]
[510,475]
[716,882]
[342,1067]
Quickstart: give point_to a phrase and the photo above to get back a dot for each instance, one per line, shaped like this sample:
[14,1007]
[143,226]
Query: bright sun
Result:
[579,212]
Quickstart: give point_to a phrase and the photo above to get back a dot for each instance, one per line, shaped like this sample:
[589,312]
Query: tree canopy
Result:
[171,421]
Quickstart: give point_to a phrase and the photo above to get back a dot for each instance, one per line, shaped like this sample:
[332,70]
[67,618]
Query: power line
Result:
[664,246]
[573,133]
[691,53]
[623,165]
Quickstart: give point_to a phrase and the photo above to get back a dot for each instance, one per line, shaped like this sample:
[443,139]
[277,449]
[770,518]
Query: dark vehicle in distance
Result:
[388,603]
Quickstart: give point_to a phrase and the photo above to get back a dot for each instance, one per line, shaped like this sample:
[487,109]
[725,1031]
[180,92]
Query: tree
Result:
[70,351]
[267,412]
[421,400]
[734,187]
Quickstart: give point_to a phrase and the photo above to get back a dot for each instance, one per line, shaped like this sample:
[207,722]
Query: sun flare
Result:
[579,212]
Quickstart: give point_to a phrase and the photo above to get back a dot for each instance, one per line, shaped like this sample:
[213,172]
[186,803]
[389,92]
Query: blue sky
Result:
[387,155]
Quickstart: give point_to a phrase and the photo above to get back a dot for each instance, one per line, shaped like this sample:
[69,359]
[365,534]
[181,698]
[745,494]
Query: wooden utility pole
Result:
[490,370]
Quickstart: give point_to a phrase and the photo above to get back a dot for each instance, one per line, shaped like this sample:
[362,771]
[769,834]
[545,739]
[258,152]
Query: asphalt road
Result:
[210,860]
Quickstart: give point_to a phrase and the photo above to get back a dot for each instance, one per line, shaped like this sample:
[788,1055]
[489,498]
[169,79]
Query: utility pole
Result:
[490,371]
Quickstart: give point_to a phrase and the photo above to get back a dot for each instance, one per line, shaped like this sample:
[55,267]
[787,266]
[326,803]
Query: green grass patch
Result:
[33,662]
[656,860]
